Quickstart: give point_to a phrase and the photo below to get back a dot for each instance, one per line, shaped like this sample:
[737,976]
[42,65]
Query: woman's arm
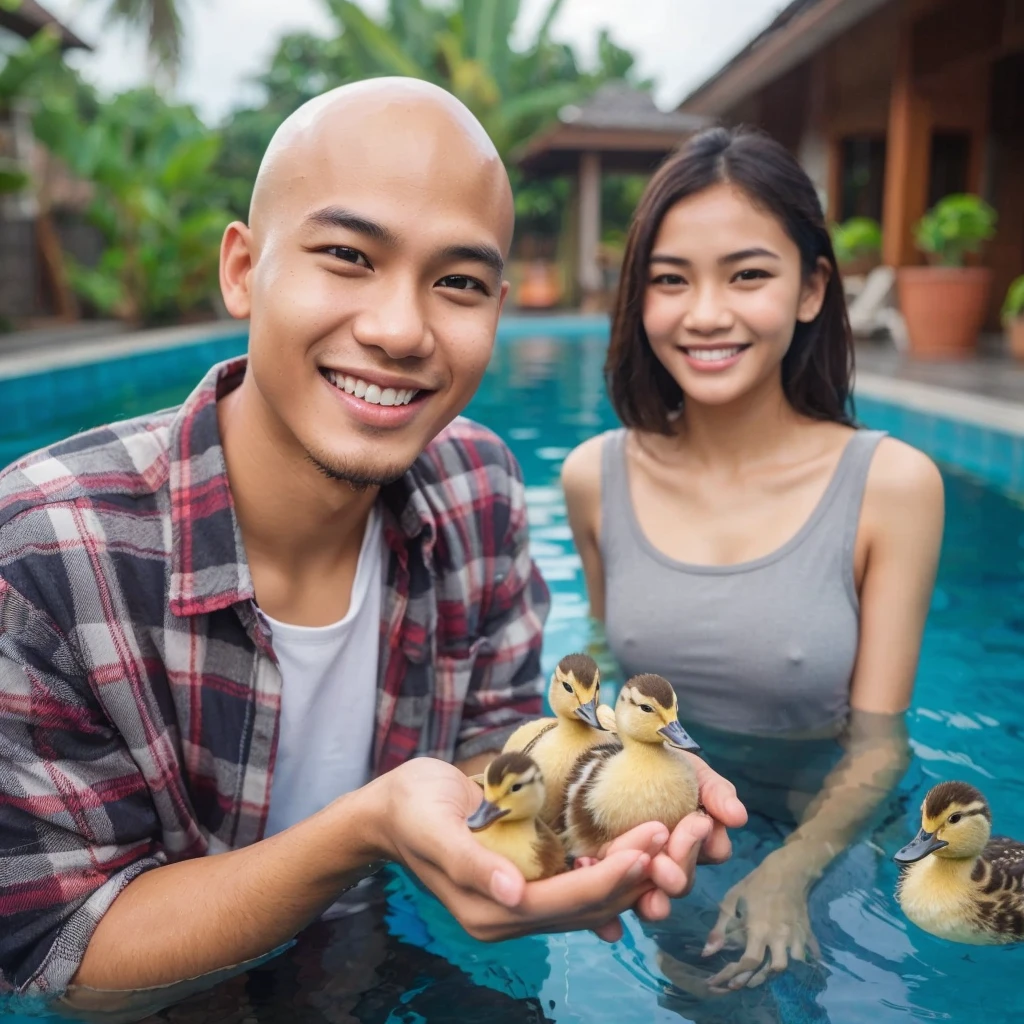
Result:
[581,484]
[901,523]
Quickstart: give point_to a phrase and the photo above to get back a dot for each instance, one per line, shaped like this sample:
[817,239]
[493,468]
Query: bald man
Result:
[228,628]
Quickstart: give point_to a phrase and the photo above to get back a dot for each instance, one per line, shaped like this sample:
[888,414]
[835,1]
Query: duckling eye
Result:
[567,687]
[518,786]
[647,708]
[954,818]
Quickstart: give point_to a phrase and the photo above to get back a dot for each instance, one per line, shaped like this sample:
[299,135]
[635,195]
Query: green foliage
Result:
[957,225]
[857,238]
[1013,307]
[150,164]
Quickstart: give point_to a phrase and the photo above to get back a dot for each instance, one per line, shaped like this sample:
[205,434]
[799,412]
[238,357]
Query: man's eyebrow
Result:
[485,254]
[336,217]
[733,257]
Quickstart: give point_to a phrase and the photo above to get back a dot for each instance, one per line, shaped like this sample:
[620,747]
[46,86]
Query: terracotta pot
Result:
[1015,336]
[944,308]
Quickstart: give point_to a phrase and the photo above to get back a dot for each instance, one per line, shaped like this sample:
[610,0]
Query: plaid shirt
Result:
[139,692]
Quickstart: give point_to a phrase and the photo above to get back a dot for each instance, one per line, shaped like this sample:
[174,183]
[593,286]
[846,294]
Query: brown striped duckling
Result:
[636,778]
[958,880]
[556,743]
[507,820]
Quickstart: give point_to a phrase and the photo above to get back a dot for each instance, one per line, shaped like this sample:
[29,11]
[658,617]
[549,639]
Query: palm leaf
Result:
[161,21]
[544,32]
[380,47]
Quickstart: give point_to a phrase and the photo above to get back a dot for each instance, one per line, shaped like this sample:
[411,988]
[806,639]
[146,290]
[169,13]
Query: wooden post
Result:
[589,225]
[907,161]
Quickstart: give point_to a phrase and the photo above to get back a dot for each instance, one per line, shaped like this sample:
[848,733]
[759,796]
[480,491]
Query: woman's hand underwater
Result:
[765,912]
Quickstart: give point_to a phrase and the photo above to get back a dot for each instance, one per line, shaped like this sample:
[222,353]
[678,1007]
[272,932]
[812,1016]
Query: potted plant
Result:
[858,245]
[944,304]
[1013,317]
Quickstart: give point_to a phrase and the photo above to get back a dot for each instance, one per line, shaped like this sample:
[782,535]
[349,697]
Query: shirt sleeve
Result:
[506,685]
[77,822]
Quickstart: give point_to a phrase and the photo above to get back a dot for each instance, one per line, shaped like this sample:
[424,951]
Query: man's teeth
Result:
[372,393]
[713,355]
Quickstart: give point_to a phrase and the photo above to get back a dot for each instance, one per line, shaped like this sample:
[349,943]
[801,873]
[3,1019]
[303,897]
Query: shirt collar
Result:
[209,568]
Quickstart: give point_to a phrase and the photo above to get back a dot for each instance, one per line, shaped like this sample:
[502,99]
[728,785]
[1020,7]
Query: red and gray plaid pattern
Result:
[139,694]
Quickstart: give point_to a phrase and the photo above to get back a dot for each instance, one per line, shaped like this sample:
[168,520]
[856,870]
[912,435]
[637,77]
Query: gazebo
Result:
[619,129]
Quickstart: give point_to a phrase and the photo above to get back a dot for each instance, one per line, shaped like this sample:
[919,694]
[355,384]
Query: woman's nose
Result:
[708,311]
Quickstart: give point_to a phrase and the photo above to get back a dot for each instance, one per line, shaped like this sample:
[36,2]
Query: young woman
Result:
[740,535]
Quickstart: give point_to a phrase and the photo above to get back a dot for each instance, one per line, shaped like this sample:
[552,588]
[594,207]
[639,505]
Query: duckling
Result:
[507,820]
[556,743]
[619,785]
[958,880]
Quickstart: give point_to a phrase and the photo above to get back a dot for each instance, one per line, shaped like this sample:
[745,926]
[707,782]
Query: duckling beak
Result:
[486,814]
[919,847]
[588,712]
[678,737]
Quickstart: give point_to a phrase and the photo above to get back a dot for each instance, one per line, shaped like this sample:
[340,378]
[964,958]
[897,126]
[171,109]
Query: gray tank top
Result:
[765,646]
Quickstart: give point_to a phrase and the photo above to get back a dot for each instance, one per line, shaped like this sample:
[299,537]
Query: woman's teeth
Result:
[714,355]
[371,393]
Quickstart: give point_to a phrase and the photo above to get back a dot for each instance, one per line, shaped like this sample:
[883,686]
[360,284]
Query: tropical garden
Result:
[162,183]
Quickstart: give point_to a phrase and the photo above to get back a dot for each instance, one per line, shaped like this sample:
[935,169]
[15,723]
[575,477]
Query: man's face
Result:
[375,289]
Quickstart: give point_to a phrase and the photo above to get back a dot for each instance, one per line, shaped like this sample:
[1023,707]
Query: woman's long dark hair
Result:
[818,368]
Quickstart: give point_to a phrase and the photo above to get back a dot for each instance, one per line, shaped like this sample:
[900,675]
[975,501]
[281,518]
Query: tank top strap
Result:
[615,510]
[851,478]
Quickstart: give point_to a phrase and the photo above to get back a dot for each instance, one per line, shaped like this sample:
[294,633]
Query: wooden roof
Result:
[619,122]
[29,17]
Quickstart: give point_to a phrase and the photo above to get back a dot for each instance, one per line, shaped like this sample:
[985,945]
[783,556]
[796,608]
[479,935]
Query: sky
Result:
[677,42]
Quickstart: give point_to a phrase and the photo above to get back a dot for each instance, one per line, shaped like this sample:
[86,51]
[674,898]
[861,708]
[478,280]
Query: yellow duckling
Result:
[960,882]
[556,743]
[507,820]
[619,785]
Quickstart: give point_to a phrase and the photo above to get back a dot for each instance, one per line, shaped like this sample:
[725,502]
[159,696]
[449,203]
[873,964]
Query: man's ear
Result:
[812,295]
[236,261]
[505,285]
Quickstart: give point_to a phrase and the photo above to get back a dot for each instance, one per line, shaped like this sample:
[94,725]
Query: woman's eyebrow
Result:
[733,257]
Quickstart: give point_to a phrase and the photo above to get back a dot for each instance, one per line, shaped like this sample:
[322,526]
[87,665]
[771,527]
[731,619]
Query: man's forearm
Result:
[198,916]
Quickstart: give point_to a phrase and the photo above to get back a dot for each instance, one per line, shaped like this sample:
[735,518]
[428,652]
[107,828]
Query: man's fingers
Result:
[610,931]
[717,848]
[737,974]
[473,867]
[650,837]
[685,841]
[653,906]
[777,962]
[716,937]
[718,795]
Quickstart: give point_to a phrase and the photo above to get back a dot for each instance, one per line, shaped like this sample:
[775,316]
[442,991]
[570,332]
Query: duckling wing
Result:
[550,851]
[527,734]
[1001,866]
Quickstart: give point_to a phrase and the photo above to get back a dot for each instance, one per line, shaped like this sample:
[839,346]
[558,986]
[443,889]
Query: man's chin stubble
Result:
[357,479]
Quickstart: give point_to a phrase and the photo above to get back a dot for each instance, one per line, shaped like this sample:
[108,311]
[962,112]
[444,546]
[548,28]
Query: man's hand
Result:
[420,822]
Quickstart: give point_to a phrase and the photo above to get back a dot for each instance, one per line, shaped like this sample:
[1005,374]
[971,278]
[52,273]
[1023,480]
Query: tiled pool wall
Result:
[53,403]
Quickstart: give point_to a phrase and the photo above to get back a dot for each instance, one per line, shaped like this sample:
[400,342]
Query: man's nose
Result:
[393,321]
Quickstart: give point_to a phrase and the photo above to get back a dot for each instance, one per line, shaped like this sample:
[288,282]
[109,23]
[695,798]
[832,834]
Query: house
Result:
[23,243]
[890,105]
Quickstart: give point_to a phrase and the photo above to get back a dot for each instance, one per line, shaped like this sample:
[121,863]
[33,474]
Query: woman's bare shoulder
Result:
[581,471]
[901,473]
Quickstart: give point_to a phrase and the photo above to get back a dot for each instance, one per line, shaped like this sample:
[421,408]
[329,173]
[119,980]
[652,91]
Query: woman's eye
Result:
[752,275]
[669,280]
[567,687]
[343,252]
[462,283]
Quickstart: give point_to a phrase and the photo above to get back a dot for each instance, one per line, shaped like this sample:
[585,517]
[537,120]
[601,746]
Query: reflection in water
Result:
[405,960]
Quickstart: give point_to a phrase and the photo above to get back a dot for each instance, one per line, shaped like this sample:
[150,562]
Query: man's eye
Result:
[343,252]
[462,283]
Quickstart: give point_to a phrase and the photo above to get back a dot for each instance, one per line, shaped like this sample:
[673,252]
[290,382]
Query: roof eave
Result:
[774,52]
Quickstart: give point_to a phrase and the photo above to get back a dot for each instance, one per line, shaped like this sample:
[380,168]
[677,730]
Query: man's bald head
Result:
[382,126]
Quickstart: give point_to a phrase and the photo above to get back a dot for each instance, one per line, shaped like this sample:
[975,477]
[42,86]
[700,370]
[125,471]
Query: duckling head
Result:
[956,824]
[647,711]
[575,688]
[513,790]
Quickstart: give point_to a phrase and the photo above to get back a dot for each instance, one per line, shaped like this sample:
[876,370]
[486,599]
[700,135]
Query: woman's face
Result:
[724,292]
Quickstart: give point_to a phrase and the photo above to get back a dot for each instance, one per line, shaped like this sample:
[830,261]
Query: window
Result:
[862,182]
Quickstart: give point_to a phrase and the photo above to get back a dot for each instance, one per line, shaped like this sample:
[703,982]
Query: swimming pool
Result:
[400,958]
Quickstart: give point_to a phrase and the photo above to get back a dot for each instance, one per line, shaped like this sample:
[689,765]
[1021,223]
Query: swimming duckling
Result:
[556,743]
[622,784]
[507,819]
[960,882]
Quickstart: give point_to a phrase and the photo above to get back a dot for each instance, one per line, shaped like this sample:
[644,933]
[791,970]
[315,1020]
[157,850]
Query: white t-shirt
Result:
[328,697]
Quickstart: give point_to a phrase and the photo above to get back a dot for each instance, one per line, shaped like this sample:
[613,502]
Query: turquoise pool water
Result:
[400,958]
